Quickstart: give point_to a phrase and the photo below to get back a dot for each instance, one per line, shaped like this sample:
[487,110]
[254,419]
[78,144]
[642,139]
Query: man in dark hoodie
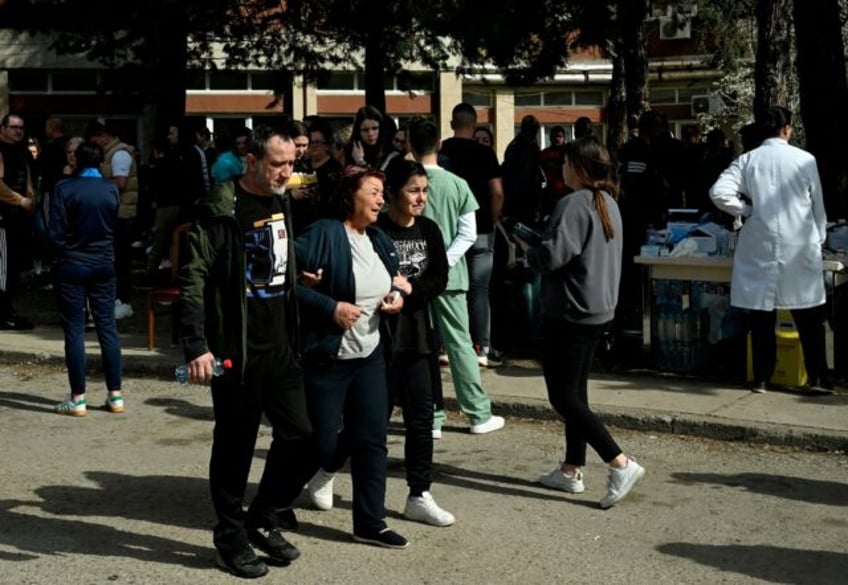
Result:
[238,303]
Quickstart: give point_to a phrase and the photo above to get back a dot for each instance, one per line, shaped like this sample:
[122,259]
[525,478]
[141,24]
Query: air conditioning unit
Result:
[674,28]
[705,104]
[658,10]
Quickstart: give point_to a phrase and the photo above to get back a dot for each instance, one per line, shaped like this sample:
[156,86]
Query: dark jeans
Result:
[73,285]
[123,259]
[412,384]
[273,386]
[480,258]
[353,393]
[567,354]
[810,326]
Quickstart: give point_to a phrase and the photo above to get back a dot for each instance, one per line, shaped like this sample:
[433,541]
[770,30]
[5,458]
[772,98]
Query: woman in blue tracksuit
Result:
[343,363]
[83,216]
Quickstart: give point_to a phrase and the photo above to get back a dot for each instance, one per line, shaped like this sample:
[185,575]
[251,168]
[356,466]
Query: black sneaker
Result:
[759,388]
[817,389]
[16,323]
[386,538]
[244,563]
[279,550]
[495,358]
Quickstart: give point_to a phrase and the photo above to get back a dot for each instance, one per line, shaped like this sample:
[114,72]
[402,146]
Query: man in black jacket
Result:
[238,303]
[16,206]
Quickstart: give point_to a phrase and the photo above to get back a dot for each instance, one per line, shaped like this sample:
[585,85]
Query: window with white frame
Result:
[354,81]
[478,98]
[559,98]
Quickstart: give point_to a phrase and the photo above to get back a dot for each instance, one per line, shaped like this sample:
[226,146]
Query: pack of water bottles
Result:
[681,328]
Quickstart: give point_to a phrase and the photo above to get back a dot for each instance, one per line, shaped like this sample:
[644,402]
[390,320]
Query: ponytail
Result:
[601,206]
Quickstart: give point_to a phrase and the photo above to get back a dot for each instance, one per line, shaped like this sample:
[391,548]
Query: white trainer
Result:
[559,480]
[425,509]
[620,482]
[437,434]
[495,423]
[320,490]
[123,310]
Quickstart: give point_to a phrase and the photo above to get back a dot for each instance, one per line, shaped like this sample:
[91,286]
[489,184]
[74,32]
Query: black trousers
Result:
[15,254]
[567,354]
[412,386]
[355,393]
[123,258]
[810,325]
[273,386]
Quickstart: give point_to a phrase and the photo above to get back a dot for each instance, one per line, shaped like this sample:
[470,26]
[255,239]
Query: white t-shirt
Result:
[373,283]
[121,164]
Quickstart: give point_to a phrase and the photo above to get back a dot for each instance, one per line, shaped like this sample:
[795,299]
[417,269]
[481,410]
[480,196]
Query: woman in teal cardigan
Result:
[343,346]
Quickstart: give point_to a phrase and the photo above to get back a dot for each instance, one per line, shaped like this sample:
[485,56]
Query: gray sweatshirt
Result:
[580,269]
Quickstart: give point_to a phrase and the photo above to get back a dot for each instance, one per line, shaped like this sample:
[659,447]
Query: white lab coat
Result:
[778,261]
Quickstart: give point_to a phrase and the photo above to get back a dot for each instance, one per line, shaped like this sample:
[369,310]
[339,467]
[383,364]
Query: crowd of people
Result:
[342,317]
[336,272]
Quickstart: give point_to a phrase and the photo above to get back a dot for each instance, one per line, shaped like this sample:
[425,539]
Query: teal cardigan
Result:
[324,245]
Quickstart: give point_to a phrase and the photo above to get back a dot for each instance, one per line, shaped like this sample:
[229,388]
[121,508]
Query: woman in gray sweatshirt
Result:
[579,259]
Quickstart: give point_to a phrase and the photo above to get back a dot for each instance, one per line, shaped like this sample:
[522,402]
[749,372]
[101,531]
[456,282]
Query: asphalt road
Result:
[123,499]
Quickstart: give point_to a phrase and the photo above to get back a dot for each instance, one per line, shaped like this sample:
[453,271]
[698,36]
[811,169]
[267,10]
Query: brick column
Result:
[504,119]
[450,94]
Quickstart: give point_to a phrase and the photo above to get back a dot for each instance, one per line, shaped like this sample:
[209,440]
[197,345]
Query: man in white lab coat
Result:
[778,259]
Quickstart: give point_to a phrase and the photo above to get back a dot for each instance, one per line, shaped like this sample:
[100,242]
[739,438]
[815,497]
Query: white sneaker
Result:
[620,482]
[437,434]
[495,423]
[320,489]
[559,480]
[425,509]
[123,310]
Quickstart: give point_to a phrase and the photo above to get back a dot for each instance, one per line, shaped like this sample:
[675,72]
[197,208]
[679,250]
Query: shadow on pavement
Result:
[446,474]
[30,402]
[769,563]
[803,489]
[182,408]
[36,535]
[161,499]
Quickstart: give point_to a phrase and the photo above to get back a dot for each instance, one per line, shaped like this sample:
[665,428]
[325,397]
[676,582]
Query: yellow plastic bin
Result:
[789,370]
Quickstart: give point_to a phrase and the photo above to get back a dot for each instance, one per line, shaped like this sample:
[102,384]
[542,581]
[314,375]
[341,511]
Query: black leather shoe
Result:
[279,550]
[243,563]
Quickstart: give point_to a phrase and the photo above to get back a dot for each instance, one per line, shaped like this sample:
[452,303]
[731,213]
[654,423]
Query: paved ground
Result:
[124,499]
[637,400]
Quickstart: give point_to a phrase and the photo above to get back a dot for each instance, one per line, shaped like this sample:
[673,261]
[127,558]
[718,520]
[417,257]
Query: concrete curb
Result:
[160,364]
[686,424]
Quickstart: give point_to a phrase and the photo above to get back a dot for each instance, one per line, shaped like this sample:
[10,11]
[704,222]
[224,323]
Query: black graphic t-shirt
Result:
[411,252]
[266,259]
[410,330]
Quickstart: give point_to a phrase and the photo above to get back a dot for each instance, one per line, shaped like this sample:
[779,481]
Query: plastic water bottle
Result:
[220,366]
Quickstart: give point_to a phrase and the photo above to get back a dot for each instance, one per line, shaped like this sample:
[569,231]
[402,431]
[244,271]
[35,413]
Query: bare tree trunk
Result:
[168,76]
[824,94]
[616,107]
[631,19]
[375,83]
[773,55]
